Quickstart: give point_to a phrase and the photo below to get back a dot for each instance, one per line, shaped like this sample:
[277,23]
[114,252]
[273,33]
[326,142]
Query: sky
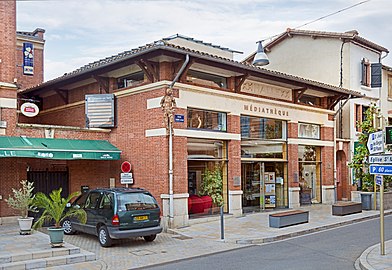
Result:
[79,32]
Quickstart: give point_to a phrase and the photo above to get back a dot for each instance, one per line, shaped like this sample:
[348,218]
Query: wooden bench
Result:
[284,219]
[346,208]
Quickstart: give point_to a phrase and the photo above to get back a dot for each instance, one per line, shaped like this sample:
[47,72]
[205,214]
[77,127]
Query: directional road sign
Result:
[375,143]
[380,159]
[381,169]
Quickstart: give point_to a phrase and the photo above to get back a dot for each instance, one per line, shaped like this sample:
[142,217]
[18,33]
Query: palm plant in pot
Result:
[22,201]
[56,209]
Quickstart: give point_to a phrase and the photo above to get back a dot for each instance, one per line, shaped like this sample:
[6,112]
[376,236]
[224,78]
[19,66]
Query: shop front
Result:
[263,163]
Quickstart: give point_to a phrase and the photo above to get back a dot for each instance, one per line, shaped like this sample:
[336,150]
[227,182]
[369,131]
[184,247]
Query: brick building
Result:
[262,136]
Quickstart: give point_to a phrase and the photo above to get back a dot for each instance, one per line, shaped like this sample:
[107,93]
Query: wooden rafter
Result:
[332,101]
[298,93]
[151,68]
[63,94]
[239,81]
[103,83]
[149,73]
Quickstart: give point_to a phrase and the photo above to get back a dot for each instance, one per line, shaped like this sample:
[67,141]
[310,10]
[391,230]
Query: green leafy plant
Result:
[55,208]
[359,162]
[212,185]
[22,199]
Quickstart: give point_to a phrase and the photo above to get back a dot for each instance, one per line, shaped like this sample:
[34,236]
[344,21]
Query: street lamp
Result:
[261,59]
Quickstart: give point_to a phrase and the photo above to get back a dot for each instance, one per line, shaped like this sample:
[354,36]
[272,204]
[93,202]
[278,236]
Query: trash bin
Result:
[366,199]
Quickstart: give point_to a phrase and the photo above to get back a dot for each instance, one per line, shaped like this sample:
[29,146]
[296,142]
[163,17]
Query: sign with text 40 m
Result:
[381,169]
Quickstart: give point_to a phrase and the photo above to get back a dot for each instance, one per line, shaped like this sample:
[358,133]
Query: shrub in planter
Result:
[57,209]
[212,185]
[22,201]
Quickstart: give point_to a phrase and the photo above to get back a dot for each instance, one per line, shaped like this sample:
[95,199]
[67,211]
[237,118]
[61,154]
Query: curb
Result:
[300,233]
[363,263]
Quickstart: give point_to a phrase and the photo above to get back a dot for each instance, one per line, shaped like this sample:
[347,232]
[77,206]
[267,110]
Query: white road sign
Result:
[126,178]
[375,142]
[381,159]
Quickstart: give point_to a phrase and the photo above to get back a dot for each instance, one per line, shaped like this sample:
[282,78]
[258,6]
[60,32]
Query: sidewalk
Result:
[188,242]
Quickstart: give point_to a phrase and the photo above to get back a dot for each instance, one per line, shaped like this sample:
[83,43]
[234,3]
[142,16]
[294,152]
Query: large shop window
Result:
[262,137]
[208,120]
[309,158]
[207,176]
[262,128]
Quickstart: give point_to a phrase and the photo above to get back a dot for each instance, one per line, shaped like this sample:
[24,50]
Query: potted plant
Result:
[56,209]
[212,185]
[22,201]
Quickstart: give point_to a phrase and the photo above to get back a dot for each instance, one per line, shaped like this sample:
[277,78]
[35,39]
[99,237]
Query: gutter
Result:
[171,198]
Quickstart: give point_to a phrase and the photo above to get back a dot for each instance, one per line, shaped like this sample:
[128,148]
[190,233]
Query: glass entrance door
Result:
[264,185]
[252,185]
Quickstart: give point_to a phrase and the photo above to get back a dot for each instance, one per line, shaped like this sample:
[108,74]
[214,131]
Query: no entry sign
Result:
[126,167]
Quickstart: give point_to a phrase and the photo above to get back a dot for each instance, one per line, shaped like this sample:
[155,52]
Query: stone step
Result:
[9,257]
[50,261]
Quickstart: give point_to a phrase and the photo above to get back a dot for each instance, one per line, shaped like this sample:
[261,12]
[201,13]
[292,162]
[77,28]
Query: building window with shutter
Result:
[389,86]
[360,116]
[371,74]
[365,68]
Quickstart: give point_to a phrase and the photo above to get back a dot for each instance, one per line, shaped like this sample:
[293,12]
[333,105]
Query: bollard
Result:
[222,225]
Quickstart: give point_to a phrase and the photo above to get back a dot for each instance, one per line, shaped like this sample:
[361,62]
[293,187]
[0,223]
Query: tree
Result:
[360,164]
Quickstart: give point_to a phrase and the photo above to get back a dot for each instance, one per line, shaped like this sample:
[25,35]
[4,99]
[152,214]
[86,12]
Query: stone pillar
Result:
[328,194]
[294,197]
[180,215]
[235,202]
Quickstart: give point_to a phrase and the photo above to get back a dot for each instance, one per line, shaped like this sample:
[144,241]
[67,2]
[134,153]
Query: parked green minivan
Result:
[117,213]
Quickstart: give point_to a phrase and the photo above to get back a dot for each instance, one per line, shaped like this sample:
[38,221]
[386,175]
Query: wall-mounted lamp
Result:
[261,59]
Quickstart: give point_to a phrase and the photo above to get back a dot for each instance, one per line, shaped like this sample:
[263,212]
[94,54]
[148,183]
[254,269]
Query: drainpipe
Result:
[339,111]
[171,198]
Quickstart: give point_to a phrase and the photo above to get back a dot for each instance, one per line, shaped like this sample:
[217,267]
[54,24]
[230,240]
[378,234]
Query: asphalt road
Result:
[332,249]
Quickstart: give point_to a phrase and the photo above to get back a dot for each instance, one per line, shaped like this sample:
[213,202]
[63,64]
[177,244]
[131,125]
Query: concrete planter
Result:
[356,197]
[25,225]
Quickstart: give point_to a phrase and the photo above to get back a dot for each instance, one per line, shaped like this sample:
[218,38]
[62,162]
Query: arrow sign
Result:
[381,169]
[375,143]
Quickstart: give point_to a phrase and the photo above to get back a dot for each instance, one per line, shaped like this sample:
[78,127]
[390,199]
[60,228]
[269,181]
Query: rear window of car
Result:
[136,201]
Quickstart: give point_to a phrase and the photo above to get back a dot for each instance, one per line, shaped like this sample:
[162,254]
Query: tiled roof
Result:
[31,34]
[201,42]
[193,53]
[350,35]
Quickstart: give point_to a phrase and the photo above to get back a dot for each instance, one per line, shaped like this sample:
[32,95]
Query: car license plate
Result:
[140,218]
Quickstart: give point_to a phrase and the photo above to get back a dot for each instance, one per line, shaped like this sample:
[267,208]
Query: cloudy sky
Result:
[79,32]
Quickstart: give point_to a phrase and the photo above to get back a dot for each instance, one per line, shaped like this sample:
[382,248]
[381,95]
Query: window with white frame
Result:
[308,131]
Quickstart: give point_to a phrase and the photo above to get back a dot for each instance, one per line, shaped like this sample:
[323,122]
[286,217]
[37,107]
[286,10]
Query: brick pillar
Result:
[7,41]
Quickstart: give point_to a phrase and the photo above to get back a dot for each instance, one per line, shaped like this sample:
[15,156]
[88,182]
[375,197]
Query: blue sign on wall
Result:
[179,118]
[28,59]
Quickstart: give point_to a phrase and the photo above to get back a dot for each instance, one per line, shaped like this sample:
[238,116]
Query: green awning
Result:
[57,148]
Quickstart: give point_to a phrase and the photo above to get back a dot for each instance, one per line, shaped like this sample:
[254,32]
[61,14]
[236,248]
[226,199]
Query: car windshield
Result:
[136,201]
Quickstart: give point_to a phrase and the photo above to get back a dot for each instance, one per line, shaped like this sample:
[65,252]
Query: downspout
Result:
[171,198]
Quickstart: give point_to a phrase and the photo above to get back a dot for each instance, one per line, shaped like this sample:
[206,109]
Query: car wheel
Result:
[68,228]
[103,237]
[150,238]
